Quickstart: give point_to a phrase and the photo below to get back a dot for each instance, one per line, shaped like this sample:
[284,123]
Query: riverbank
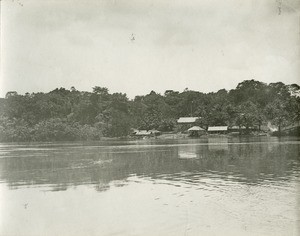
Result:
[186,135]
[162,136]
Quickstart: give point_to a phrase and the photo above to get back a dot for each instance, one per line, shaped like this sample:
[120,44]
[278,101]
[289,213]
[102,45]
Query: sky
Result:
[135,46]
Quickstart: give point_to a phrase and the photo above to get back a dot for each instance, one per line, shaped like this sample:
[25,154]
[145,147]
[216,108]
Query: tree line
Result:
[69,114]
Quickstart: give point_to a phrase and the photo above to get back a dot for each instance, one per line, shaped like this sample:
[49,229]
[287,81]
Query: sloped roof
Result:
[187,119]
[195,128]
[218,128]
[143,132]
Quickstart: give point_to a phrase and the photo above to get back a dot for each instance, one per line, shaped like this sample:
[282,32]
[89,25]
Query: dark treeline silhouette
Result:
[64,114]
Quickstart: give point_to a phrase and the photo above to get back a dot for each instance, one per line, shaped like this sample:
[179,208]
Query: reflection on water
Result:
[68,165]
[181,187]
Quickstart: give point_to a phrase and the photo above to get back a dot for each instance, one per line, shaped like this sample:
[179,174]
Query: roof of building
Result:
[187,119]
[237,127]
[195,128]
[154,131]
[143,132]
[217,128]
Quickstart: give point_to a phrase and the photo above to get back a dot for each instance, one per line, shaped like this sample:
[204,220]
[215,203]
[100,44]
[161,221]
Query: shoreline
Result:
[166,136]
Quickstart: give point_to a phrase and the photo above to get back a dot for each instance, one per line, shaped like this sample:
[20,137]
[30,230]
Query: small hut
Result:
[183,123]
[196,131]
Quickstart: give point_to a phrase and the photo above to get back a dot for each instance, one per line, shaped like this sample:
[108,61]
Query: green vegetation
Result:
[74,115]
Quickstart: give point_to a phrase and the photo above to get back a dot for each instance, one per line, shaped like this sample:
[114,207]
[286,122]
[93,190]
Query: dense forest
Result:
[64,114]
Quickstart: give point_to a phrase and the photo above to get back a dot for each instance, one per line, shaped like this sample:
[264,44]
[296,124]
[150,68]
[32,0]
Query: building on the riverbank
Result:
[142,133]
[146,133]
[236,128]
[184,123]
[217,130]
[196,131]
[247,130]
[187,120]
[154,132]
[239,129]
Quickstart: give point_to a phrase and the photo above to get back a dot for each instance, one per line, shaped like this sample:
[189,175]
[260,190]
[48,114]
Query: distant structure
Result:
[184,123]
[187,120]
[236,129]
[217,129]
[145,133]
[142,133]
[196,131]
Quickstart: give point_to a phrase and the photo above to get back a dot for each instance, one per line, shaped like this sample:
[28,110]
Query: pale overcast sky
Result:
[203,45]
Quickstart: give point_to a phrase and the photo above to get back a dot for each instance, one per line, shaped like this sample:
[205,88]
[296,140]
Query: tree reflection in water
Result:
[248,161]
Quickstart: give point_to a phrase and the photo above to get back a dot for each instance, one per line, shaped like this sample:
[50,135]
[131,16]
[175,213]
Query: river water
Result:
[209,186]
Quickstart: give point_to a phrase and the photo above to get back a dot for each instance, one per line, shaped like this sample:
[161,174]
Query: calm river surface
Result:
[209,186]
